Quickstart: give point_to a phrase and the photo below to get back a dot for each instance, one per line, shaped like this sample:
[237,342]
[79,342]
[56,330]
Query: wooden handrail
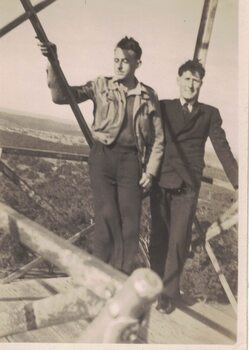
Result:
[118,321]
[84,157]
[32,264]
[85,269]
[47,153]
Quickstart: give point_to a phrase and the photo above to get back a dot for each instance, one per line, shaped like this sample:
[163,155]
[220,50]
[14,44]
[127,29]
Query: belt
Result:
[184,187]
[122,148]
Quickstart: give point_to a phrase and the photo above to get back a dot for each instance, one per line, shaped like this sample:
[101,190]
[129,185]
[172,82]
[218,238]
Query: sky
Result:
[86,32]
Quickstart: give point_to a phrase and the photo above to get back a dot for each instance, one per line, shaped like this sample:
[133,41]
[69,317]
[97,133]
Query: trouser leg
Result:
[129,199]
[160,223]
[182,211]
[107,239]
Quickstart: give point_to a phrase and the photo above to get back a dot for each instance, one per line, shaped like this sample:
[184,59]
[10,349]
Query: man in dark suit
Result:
[187,125]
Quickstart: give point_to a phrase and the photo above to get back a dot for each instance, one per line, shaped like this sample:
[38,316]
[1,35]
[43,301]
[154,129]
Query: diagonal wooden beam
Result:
[22,18]
[25,187]
[41,35]
[83,267]
[217,267]
[26,268]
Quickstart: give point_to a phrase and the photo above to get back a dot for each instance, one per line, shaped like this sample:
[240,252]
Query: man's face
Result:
[189,84]
[125,64]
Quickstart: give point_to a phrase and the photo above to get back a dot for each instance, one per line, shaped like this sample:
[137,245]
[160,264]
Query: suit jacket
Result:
[185,144]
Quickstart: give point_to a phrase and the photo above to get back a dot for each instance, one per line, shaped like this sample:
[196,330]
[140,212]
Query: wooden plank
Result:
[36,289]
[198,324]
[22,292]
[59,308]
[65,333]
[110,321]
[46,154]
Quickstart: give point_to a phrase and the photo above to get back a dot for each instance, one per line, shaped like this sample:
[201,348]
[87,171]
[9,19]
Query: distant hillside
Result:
[14,120]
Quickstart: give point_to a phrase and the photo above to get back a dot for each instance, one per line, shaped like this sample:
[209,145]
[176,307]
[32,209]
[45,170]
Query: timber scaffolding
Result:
[92,302]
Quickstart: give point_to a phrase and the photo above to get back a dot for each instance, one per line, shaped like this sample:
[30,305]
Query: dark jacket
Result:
[185,144]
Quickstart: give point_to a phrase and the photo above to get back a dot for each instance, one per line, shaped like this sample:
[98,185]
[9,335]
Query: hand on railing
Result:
[48,49]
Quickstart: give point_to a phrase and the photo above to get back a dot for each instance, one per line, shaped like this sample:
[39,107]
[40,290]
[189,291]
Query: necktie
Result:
[186,112]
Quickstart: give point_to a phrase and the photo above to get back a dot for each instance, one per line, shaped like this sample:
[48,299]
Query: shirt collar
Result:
[138,90]
[190,104]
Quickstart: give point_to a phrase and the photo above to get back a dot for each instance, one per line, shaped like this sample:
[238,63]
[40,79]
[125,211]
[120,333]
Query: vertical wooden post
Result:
[205,30]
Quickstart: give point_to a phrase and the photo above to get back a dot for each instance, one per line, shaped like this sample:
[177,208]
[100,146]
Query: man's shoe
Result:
[165,305]
[186,300]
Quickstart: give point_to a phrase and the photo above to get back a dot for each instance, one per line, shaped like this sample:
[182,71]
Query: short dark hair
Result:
[130,44]
[194,66]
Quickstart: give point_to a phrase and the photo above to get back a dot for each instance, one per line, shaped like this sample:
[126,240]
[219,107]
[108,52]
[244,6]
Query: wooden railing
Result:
[115,304]
[223,223]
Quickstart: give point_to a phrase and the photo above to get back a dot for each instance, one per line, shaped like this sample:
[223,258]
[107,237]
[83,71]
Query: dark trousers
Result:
[115,174]
[172,218]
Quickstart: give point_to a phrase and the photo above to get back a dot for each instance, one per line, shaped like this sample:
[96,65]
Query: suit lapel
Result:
[194,115]
[174,120]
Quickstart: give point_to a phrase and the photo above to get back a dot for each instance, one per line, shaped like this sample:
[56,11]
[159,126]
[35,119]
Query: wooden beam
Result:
[84,158]
[47,154]
[22,18]
[56,66]
[130,303]
[219,226]
[78,303]
[84,268]
[217,182]
[24,186]
[217,268]
[205,30]
[26,268]
[221,276]
[119,321]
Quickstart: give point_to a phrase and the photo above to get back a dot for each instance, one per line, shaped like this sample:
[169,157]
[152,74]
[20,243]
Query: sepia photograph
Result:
[123,174]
